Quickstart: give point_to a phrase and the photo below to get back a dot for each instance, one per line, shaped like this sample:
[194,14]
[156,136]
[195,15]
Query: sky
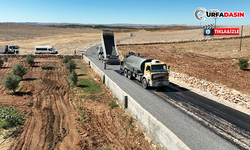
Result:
[120,11]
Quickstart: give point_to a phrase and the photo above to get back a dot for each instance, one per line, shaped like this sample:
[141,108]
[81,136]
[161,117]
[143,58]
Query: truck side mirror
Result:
[168,67]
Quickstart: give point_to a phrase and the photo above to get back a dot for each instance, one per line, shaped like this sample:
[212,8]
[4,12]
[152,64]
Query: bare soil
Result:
[51,107]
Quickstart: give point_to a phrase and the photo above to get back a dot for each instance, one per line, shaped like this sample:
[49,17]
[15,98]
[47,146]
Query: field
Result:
[60,117]
[65,40]
[174,35]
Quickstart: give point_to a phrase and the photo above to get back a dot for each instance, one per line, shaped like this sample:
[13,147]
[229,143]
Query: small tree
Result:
[5,58]
[66,59]
[11,82]
[73,77]
[32,56]
[30,59]
[71,65]
[19,70]
[1,62]
[243,63]
[10,117]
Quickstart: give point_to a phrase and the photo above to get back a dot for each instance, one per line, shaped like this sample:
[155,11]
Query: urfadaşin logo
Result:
[214,13]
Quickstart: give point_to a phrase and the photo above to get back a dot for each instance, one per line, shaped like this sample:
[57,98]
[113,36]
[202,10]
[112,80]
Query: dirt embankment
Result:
[46,98]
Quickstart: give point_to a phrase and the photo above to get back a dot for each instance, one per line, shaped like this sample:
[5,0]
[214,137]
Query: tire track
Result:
[49,119]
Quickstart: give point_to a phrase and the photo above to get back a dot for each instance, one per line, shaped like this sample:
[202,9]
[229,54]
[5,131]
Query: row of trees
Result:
[12,81]
[71,66]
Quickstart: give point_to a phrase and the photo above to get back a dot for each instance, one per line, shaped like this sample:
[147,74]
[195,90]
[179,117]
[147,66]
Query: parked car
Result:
[45,50]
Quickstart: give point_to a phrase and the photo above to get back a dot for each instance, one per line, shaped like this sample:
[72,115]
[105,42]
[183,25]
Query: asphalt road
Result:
[189,129]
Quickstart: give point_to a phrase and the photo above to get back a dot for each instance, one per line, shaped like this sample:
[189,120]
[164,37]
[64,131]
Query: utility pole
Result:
[215,22]
[241,37]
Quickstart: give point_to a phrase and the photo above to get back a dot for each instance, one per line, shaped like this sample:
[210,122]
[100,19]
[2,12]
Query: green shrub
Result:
[66,59]
[30,59]
[112,104]
[71,65]
[1,62]
[32,56]
[73,77]
[83,118]
[243,63]
[19,70]
[106,148]
[11,82]
[10,117]
[5,58]
[6,135]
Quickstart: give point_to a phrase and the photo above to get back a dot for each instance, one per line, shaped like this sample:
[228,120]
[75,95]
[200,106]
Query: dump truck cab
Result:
[9,49]
[155,74]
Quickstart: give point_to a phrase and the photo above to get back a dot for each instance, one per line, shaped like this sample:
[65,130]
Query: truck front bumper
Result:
[158,83]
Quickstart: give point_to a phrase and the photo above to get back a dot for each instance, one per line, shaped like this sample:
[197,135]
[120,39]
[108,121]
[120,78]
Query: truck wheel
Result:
[125,72]
[144,83]
[130,75]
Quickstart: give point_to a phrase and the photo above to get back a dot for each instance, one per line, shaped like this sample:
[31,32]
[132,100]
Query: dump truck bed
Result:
[2,50]
[109,47]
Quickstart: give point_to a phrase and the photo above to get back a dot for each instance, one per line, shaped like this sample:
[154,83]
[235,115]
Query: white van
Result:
[45,50]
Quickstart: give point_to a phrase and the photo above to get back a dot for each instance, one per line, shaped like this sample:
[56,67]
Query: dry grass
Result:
[171,36]
[220,48]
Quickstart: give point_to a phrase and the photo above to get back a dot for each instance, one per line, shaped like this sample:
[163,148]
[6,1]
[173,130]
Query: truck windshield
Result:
[159,68]
[51,49]
[14,47]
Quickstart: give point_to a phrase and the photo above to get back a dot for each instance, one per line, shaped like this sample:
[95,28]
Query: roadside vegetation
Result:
[19,70]
[5,58]
[74,78]
[82,117]
[71,65]
[105,148]
[243,63]
[1,62]
[66,59]
[11,82]
[30,59]
[112,104]
[10,117]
